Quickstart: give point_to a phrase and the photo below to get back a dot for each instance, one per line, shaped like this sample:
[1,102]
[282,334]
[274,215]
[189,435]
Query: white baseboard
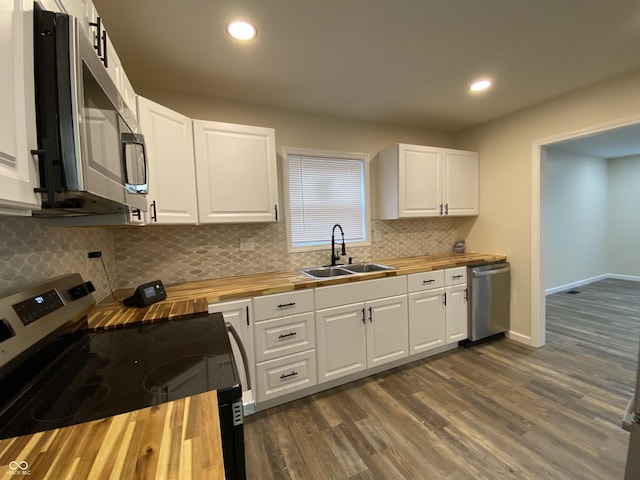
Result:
[579,283]
[632,278]
[518,337]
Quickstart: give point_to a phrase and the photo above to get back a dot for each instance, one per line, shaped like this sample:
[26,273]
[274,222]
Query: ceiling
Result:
[405,62]
[621,142]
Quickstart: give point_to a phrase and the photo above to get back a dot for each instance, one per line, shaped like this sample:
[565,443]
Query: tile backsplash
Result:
[31,251]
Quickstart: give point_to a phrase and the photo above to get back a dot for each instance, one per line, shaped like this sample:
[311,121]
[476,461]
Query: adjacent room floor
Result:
[495,411]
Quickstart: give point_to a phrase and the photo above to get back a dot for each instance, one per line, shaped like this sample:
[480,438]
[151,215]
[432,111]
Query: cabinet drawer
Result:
[455,276]
[425,280]
[282,304]
[285,375]
[283,336]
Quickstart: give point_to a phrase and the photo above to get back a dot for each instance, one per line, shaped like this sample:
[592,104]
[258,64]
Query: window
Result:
[325,188]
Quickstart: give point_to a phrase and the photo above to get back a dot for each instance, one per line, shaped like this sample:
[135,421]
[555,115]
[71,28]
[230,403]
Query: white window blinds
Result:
[323,192]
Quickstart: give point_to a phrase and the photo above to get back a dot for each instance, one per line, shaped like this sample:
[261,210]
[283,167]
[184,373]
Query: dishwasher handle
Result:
[243,352]
[488,273]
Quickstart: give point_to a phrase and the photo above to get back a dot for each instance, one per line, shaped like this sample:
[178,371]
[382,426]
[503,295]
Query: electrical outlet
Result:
[96,254]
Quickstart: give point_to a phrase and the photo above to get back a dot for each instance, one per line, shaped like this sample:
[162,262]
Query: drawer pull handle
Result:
[285,335]
[457,276]
[292,374]
[428,281]
[283,305]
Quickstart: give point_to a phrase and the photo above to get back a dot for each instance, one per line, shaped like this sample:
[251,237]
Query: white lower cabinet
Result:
[426,320]
[285,375]
[361,335]
[456,304]
[239,313]
[437,308]
[457,316]
[285,344]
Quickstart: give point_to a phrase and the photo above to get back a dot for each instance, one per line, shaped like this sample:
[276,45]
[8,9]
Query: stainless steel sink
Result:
[325,272]
[367,267]
[330,272]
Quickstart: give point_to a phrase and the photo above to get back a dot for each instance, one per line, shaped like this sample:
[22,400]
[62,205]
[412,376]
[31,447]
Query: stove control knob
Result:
[81,290]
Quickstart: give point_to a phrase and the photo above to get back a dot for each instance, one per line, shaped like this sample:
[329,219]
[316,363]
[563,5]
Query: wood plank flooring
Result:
[500,410]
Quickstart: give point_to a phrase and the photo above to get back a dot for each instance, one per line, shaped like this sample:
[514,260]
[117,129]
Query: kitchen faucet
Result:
[334,256]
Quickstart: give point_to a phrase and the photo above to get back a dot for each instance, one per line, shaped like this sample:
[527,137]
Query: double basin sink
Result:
[320,273]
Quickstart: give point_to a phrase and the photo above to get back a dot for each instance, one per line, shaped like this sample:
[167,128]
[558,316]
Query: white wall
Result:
[624,215]
[575,213]
[507,171]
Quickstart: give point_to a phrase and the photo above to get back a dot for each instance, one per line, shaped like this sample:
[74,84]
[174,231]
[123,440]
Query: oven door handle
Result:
[243,352]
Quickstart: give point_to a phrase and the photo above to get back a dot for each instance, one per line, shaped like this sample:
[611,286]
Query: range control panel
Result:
[38,306]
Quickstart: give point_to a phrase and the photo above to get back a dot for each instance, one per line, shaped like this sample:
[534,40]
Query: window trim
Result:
[363,157]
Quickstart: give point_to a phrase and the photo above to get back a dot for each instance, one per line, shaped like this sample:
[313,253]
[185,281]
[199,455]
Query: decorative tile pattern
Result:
[32,252]
[184,253]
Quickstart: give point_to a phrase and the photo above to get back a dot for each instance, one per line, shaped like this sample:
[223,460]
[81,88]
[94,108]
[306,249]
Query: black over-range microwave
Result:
[91,155]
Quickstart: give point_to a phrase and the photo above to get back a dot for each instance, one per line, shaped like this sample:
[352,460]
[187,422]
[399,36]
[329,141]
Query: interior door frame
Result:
[538,164]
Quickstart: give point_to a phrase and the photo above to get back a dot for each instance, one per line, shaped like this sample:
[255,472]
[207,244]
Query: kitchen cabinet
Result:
[172,177]
[438,312]
[427,311]
[456,304]
[285,345]
[236,173]
[423,181]
[371,330]
[239,313]
[18,167]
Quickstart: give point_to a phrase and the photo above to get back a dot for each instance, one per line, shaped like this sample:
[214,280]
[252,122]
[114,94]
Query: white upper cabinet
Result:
[460,182]
[18,168]
[236,173]
[420,181]
[172,178]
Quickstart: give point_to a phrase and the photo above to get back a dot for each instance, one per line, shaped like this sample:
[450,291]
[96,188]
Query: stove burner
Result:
[70,402]
[177,332]
[185,375]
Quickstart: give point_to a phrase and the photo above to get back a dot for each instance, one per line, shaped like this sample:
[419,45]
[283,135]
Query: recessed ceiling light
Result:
[480,85]
[241,30]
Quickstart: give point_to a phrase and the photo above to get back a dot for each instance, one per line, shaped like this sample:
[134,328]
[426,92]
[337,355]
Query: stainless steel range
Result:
[54,373]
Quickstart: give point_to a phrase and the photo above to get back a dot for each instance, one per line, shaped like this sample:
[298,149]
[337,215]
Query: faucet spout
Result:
[334,256]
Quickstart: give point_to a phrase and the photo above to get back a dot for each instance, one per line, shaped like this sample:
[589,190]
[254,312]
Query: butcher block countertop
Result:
[194,297]
[174,440]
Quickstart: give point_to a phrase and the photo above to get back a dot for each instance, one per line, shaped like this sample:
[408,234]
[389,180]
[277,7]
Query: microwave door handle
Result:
[243,352]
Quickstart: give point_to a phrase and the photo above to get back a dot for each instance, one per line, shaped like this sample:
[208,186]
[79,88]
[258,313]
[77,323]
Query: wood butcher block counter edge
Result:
[194,297]
[179,439]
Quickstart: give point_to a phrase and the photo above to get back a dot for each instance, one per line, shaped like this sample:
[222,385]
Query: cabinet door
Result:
[239,314]
[236,173]
[460,179]
[419,181]
[387,330]
[18,171]
[341,341]
[457,313]
[172,178]
[426,320]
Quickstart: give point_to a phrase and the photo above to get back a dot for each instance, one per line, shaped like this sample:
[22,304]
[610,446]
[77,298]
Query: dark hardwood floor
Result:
[494,411]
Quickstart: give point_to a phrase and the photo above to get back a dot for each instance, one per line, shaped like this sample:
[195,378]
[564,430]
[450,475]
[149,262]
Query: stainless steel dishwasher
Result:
[489,300]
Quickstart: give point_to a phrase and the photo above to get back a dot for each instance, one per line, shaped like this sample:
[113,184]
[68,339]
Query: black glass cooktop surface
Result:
[115,371]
